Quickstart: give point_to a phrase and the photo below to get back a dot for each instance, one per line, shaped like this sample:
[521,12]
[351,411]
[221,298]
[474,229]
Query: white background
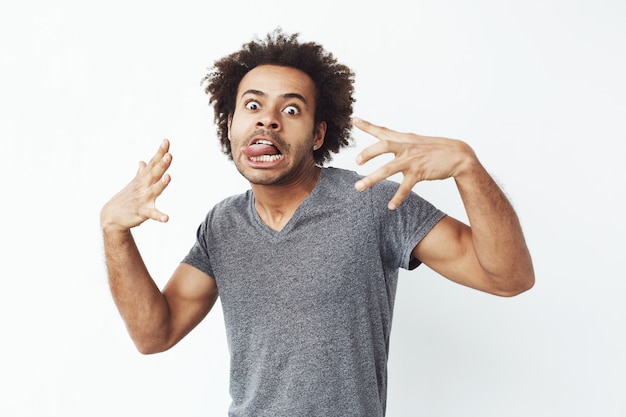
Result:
[87,89]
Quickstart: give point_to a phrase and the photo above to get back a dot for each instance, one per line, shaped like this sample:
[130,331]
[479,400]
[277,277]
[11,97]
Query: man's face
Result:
[272,130]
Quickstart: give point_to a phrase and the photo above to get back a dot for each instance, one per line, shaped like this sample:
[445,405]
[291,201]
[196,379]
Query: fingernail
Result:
[359,185]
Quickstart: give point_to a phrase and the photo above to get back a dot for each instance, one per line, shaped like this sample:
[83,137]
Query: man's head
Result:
[333,83]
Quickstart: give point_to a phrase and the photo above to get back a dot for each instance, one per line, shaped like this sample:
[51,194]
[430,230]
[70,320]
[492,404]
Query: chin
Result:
[261,177]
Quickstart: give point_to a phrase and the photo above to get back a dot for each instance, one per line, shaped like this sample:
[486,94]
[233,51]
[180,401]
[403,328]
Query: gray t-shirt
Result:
[308,309]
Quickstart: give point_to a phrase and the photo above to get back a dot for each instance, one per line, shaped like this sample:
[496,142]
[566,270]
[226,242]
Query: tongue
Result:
[258,150]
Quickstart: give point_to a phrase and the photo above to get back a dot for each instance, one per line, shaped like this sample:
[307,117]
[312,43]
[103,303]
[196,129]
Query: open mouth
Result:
[262,150]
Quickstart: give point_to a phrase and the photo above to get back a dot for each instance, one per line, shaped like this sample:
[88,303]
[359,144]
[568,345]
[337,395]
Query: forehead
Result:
[274,80]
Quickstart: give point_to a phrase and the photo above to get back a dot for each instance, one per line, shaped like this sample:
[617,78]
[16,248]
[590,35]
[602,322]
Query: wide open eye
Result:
[292,110]
[252,105]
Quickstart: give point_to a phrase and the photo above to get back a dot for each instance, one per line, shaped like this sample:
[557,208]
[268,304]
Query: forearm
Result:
[139,300]
[497,237]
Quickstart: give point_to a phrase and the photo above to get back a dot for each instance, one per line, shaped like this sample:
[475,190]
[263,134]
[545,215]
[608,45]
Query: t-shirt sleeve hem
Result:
[411,262]
[198,258]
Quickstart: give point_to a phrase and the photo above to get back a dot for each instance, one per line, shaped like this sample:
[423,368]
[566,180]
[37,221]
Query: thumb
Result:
[141,166]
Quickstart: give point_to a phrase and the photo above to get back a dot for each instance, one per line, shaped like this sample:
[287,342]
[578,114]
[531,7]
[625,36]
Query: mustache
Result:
[268,133]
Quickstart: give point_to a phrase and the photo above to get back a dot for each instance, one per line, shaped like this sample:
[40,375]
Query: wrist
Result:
[468,164]
[109,225]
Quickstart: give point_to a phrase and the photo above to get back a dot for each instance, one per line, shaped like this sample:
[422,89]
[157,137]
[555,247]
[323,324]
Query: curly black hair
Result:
[334,83]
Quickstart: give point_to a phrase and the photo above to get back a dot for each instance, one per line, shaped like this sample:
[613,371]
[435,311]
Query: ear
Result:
[318,135]
[230,123]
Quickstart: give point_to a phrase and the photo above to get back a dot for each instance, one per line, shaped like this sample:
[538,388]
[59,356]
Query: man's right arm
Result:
[156,320]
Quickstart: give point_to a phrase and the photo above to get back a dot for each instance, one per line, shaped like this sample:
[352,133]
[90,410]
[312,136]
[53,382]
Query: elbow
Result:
[148,349]
[151,346]
[512,292]
[520,284]
[519,278]
[149,338]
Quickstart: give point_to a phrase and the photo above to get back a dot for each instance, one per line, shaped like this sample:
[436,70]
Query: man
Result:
[306,262]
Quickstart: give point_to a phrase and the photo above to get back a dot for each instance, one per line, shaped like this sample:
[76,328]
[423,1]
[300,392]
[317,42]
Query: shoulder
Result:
[342,179]
[340,175]
[229,209]
[340,182]
[234,201]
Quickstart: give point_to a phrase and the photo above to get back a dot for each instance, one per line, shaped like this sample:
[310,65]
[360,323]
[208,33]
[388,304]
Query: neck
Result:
[276,204]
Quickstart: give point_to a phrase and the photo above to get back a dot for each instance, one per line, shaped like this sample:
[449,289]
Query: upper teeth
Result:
[264,142]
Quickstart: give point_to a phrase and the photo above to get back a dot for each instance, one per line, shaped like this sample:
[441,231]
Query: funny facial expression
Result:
[272,130]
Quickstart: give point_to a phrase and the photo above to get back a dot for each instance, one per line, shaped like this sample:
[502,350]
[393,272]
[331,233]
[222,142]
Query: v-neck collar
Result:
[295,216]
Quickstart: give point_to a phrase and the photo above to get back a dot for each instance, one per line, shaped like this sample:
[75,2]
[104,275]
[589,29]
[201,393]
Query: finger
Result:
[141,167]
[151,211]
[386,136]
[159,186]
[157,215]
[375,177]
[157,167]
[403,191]
[160,153]
[373,151]
[379,132]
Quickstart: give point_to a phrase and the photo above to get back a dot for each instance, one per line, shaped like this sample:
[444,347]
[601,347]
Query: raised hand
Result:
[136,202]
[418,158]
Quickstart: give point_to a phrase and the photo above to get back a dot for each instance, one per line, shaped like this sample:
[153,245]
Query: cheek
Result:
[234,129]
[238,124]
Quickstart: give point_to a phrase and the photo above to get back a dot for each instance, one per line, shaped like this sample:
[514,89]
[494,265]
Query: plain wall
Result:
[87,89]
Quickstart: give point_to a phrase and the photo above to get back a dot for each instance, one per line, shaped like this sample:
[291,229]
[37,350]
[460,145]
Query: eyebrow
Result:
[286,95]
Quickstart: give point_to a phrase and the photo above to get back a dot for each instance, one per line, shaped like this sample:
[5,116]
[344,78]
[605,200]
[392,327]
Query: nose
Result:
[269,120]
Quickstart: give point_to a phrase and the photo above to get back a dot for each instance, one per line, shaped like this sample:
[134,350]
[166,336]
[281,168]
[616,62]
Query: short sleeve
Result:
[402,229]
[198,256]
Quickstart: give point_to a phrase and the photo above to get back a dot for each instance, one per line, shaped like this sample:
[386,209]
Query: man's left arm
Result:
[491,254]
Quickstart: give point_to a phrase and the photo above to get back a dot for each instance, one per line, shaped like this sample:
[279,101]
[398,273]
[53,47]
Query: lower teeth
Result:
[266,158]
